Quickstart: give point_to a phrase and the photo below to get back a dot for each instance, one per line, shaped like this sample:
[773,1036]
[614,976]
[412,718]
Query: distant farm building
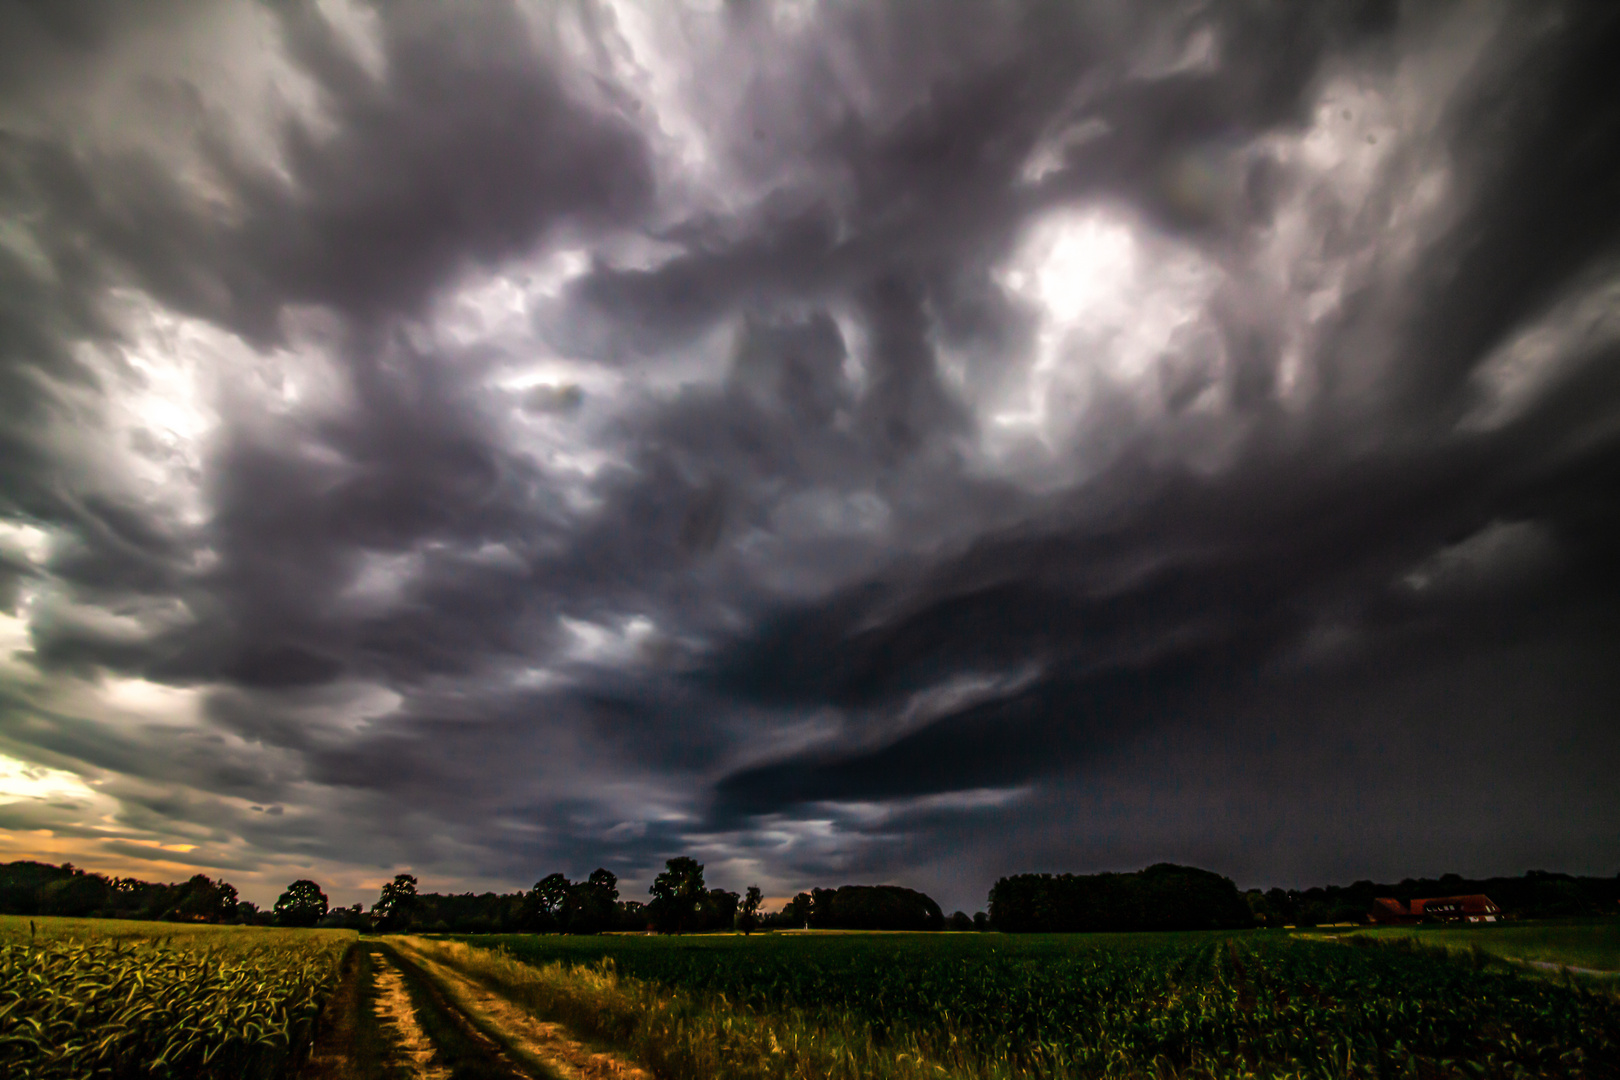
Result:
[1474,909]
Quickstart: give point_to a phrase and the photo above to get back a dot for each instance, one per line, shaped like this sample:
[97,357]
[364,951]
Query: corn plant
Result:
[145,1009]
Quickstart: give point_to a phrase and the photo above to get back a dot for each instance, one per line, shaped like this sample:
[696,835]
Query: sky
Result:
[865,442]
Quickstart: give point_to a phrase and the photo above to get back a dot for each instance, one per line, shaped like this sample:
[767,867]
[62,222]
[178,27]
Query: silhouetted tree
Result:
[1311,913]
[799,908]
[201,899]
[592,905]
[874,907]
[395,908]
[303,904]
[631,915]
[1259,908]
[748,912]
[547,903]
[1162,897]
[719,910]
[74,893]
[678,896]
[346,918]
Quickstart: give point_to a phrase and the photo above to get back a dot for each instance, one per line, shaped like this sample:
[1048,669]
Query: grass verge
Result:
[1594,945]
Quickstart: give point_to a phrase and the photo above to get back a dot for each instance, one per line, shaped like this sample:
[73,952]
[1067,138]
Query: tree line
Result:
[1169,897]
[1537,894]
[679,901]
[870,907]
[1161,897]
[35,888]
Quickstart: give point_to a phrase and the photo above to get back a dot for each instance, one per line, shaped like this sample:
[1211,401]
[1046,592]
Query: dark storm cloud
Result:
[1539,213]
[466,151]
[466,148]
[750,570]
[1237,568]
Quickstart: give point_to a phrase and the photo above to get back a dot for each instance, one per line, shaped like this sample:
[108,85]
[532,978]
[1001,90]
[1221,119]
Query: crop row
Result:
[1200,1005]
[97,1009]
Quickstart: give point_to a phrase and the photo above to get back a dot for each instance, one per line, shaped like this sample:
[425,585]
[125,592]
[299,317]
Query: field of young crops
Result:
[1139,1005]
[112,999]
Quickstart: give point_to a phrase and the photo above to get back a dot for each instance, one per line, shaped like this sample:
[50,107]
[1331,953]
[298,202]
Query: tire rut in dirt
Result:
[547,1046]
[389,1022]
[351,1043]
[459,1051]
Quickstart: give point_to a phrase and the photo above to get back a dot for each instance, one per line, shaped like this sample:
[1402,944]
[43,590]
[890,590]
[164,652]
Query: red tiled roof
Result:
[1469,905]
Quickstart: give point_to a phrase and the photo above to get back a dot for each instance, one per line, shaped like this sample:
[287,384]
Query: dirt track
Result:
[402,1016]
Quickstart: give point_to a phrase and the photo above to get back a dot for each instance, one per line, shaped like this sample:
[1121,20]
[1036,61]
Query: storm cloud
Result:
[907,442]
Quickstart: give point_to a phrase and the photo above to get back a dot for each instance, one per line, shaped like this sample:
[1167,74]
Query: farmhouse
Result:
[1475,908]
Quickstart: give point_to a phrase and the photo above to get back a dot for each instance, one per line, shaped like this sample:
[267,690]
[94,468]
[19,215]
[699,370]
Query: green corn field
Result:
[86,998]
[231,1004]
[1205,1005]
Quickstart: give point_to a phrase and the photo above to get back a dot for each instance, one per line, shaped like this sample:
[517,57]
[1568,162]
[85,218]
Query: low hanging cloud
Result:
[840,441]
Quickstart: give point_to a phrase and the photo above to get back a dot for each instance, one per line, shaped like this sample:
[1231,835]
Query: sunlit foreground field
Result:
[112,999]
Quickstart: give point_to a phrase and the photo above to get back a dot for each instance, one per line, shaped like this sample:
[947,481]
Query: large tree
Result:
[396,904]
[678,895]
[573,907]
[593,903]
[546,905]
[873,907]
[201,899]
[798,910]
[748,912]
[303,904]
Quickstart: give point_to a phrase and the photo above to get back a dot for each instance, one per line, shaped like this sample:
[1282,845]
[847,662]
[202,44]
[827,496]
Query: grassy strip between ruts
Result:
[540,1047]
[351,1044]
